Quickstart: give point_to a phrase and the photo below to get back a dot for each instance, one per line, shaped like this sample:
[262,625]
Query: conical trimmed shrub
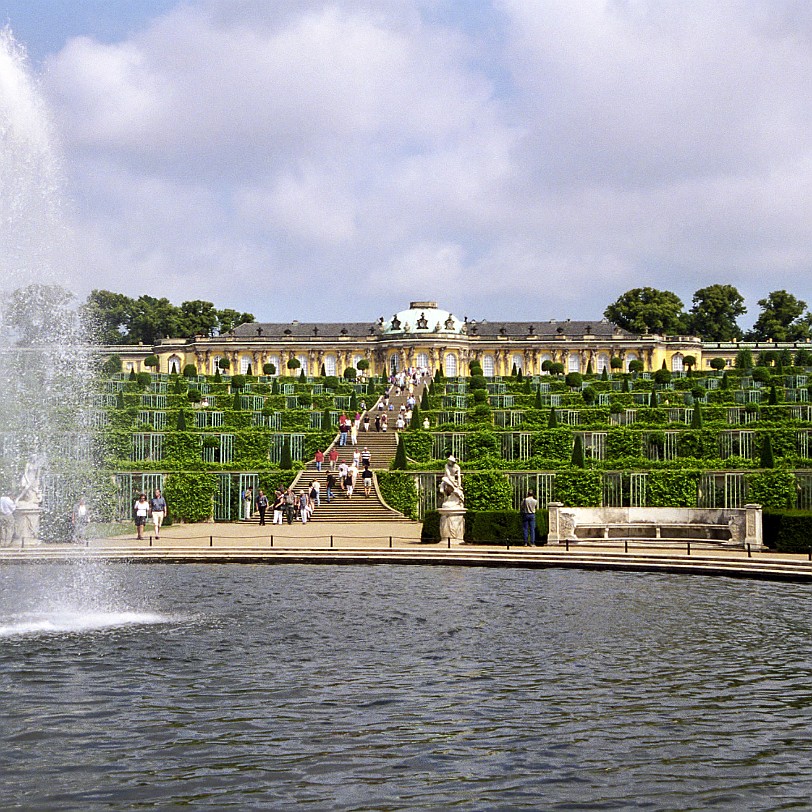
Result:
[552,422]
[424,399]
[181,420]
[399,463]
[285,461]
[696,418]
[578,459]
[767,457]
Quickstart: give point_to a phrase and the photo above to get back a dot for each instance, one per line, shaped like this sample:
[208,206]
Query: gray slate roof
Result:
[485,329]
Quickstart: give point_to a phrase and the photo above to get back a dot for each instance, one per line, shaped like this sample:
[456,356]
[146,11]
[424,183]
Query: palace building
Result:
[423,335]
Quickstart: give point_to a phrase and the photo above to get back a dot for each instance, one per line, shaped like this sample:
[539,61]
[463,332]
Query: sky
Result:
[513,159]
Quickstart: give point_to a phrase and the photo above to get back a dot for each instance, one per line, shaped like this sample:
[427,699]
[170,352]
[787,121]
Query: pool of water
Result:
[391,688]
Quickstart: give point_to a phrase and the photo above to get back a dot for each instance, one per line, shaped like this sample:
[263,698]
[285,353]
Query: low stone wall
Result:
[729,527]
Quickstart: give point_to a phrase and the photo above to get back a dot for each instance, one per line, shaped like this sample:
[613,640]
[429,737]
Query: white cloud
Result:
[572,152]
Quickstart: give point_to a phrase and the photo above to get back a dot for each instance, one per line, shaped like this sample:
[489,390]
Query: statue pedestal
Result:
[452,523]
[26,525]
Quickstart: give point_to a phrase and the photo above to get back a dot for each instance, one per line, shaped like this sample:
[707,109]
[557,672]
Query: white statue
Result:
[31,493]
[451,485]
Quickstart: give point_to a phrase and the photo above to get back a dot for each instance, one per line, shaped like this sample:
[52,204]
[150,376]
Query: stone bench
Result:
[729,527]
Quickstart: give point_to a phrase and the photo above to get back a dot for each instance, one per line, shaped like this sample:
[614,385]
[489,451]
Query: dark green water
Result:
[251,687]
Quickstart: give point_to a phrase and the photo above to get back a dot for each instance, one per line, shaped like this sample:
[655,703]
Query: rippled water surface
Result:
[391,688]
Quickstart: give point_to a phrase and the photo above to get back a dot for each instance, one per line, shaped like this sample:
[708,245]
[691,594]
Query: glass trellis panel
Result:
[113,386]
[222,498]
[551,400]
[802,413]
[803,485]
[497,388]
[445,443]
[638,490]
[569,417]
[315,420]
[734,415]
[516,445]
[738,443]
[457,418]
[124,495]
[540,483]
[288,389]
[153,401]
[641,398]
[711,383]
[253,403]
[342,402]
[296,446]
[99,419]
[803,443]
[426,484]
[156,419]
[455,401]
[612,489]
[594,444]
[146,447]
[247,481]
[318,388]
[508,420]
[722,490]
[104,399]
[502,401]
[603,398]
[291,402]
[457,388]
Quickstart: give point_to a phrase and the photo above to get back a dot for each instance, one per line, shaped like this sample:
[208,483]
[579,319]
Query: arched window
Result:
[215,364]
[303,361]
[394,364]
[274,359]
[545,356]
[518,362]
[330,364]
[488,367]
[245,362]
[422,360]
[603,362]
[629,358]
[174,364]
[451,365]
[676,362]
[573,362]
[356,359]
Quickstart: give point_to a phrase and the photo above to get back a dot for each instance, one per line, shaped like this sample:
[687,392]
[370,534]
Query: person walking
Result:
[278,506]
[80,521]
[366,457]
[290,505]
[366,476]
[319,459]
[333,457]
[304,507]
[343,431]
[141,511]
[262,505]
[331,483]
[315,493]
[528,511]
[248,503]
[157,507]
[342,475]
[349,480]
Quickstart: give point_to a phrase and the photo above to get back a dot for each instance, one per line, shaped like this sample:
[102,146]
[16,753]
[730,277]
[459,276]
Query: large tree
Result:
[780,318]
[106,316]
[642,310]
[228,319]
[714,312]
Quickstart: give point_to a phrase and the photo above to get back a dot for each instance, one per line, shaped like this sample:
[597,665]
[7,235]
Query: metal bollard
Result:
[390,542]
[625,545]
[689,548]
[810,553]
[150,541]
[567,544]
[211,541]
[331,541]
[749,554]
[271,541]
[449,542]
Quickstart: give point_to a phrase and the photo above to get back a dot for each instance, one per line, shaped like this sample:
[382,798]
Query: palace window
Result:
[330,365]
[518,362]
[174,361]
[603,362]
[488,367]
[451,365]
[629,358]
[422,360]
[573,362]
[676,363]
[303,361]
[245,362]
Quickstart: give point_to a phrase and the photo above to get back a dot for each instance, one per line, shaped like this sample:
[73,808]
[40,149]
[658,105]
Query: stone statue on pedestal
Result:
[28,505]
[452,511]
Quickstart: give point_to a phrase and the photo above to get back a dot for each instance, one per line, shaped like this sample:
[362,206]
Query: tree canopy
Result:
[714,312]
[642,310]
[781,318]
[115,318]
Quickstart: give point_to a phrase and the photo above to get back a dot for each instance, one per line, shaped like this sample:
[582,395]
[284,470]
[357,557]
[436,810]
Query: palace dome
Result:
[422,317]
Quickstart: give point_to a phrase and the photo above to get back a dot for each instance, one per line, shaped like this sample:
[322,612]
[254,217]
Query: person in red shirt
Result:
[319,458]
[333,457]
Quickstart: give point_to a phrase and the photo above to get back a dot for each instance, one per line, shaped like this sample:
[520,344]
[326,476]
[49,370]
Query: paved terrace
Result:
[399,543]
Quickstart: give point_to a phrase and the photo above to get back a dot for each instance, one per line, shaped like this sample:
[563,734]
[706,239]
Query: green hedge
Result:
[788,531]
[190,496]
[487,526]
[398,491]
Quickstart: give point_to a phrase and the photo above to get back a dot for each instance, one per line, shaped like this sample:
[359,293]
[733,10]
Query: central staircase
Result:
[382,446]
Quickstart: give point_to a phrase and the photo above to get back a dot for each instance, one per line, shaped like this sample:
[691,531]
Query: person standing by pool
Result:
[80,520]
[278,506]
[528,510]
[157,507]
[262,505]
[141,511]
